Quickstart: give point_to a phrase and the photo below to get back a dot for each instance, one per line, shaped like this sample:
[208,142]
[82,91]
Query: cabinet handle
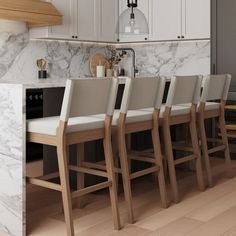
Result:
[73,37]
[118,40]
[182,37]
[76,37]
[178,37]
[146,39]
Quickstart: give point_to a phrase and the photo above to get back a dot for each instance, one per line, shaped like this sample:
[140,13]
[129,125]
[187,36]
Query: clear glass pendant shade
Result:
[136,25]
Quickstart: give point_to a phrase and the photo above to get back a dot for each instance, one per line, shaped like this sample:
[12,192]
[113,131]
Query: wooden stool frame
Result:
[61,141]
[219,113]
[169,120]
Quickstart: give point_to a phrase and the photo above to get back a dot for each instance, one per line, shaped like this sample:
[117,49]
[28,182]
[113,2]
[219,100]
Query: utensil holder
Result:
[42,74]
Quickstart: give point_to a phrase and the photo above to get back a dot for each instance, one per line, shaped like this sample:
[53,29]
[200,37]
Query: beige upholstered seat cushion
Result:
[212,106]
[132,116]
[176,110]
[208,106]
[145,114]
[49,125]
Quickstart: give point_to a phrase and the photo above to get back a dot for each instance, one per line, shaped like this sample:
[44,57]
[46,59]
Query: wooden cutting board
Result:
[95,60]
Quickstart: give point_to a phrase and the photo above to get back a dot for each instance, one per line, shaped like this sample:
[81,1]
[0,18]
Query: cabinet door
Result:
[87,16]
[196,22]
[67,29]
[107,20]
[166,19]
[144,6]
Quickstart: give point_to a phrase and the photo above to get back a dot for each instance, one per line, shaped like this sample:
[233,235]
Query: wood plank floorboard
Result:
[177,228]
[217,225]
[208,213]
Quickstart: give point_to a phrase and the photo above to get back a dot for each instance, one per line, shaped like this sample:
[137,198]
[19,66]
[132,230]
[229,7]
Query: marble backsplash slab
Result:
[64,59]
[171,58]
[18,57]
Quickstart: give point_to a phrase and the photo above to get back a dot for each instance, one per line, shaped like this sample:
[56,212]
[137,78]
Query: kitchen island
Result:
[13,151]
[13,109]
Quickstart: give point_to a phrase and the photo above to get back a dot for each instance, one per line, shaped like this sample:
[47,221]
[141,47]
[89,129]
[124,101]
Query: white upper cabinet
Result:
[92,20]
[166,20]
[108,17]
[97,20]
[196,22]
[180,19]
[145,6]
[87,15]
[64,31]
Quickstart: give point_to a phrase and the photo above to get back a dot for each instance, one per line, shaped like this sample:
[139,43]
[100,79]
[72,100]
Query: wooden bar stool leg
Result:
[66,195]
[164,161]
[128,142]
[226,144]
[197,153]
[170,160]
[158,158]
[80,176]
[128,149]
[111,177]
[204,146]
[115,151]
[125,173]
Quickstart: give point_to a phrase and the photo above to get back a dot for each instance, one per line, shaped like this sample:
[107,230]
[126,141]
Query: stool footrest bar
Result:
[88,171]
[98,165]
[216,149]
[144,172]
[182,148]
[50,176]
[185,159]
[91,189]
[45,184]
[142,158]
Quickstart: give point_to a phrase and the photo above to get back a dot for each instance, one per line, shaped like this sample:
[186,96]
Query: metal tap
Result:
[124,52]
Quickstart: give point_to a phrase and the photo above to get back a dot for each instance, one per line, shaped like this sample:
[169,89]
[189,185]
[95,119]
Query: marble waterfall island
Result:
[13,152]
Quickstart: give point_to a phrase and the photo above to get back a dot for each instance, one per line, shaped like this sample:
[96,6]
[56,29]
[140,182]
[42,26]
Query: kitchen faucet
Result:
[123,52]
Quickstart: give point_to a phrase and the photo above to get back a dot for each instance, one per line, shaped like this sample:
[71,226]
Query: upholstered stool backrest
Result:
[140,93]
[215,87]
[89,96]
[160,92]
[184,89]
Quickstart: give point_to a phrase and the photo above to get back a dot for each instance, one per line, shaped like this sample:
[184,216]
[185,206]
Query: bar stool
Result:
[140,93]
[82,99]
[183,89]
[215,87]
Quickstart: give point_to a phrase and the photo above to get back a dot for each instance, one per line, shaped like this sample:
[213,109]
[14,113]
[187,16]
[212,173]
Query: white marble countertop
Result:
[47,83]
[39,83]
[44,83]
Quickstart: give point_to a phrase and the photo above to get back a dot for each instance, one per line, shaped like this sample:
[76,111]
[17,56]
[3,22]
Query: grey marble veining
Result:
[10,47]
[18,57]
[65,60]
[12,159]
[171,58]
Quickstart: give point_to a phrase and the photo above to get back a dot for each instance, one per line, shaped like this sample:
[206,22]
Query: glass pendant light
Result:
[132,21]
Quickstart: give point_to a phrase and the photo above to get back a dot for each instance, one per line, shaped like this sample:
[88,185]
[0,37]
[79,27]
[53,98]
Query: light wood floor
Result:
[209,213]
